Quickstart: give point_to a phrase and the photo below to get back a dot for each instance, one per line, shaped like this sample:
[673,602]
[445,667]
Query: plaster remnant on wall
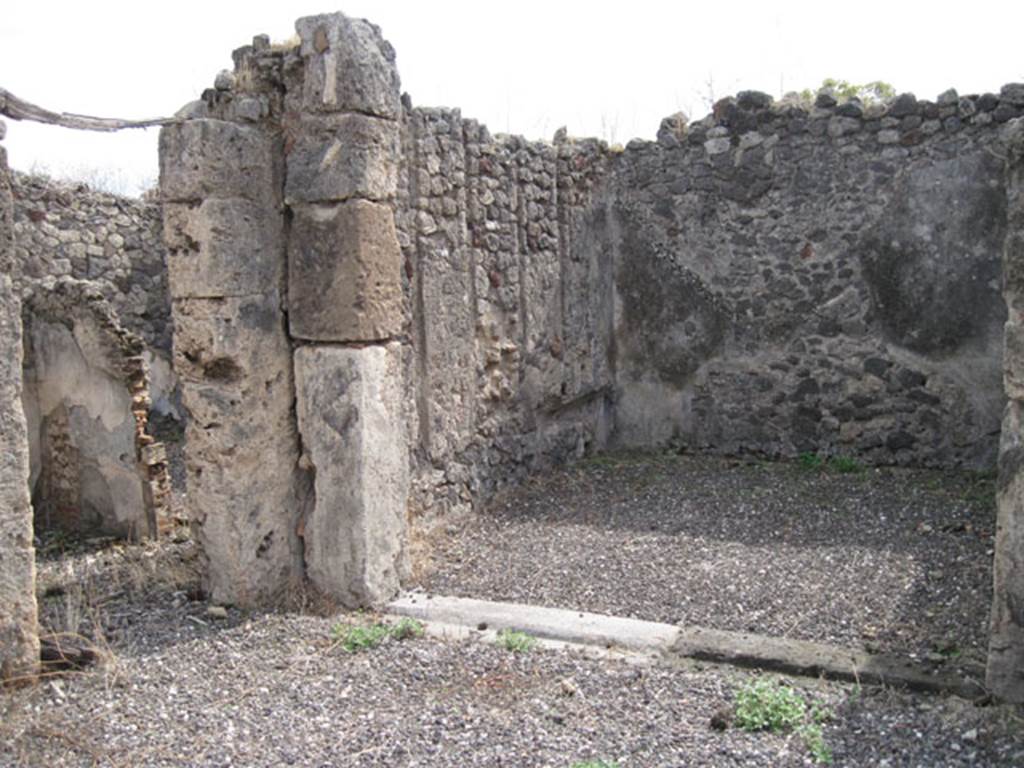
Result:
[95,469]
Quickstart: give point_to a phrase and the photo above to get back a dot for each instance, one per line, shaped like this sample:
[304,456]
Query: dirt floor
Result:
[811,553]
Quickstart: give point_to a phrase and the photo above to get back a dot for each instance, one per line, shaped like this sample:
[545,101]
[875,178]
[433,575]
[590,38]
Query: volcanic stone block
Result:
[222,248]
[344,273]
[349,404]
[343,156]
[348,66]
[245,490]
[213,158]
[19,641]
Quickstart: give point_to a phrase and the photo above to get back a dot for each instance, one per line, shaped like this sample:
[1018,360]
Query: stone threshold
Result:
[671,642]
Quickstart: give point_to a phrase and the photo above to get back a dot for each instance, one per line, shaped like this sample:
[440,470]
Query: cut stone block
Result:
[344,273]
[350,406]
[245,489]
[343,156]
[213,158]
[19,640]
[349,66]
[222,248]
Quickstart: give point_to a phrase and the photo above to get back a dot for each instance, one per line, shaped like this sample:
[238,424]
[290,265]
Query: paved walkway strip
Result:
[741,649]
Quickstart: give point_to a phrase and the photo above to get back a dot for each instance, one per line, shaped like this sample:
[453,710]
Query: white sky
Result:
[523,67]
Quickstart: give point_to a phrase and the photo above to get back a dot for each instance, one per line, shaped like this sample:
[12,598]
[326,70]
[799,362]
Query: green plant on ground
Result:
[982,489]
[821,714]
[515,641]
[407,629]
[816,462]
[810,460]
[947,649]
[766,705]
[353,638]
[814,740]
[845,465]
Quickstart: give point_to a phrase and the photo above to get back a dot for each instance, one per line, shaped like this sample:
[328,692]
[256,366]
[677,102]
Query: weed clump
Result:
[808,460]
[353,638]
[766,705]
[515,641]
[844,465]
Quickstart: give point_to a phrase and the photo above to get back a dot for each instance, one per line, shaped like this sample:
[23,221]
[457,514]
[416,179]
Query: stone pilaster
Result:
[19,639]
[345,298]
[1005,673]
[223,226]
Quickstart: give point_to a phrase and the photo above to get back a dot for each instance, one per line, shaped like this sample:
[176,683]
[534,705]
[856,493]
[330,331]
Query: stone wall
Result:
[66,229]
[1005,674]
[19,641]
[823,278]
[383,313]
[511,298]
[431,299]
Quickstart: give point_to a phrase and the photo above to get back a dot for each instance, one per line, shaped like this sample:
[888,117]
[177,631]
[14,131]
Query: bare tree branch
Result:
[18,109]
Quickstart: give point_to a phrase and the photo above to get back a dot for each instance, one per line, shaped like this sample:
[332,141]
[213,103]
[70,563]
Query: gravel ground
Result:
[188,684]
[182,687]
[891,560]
